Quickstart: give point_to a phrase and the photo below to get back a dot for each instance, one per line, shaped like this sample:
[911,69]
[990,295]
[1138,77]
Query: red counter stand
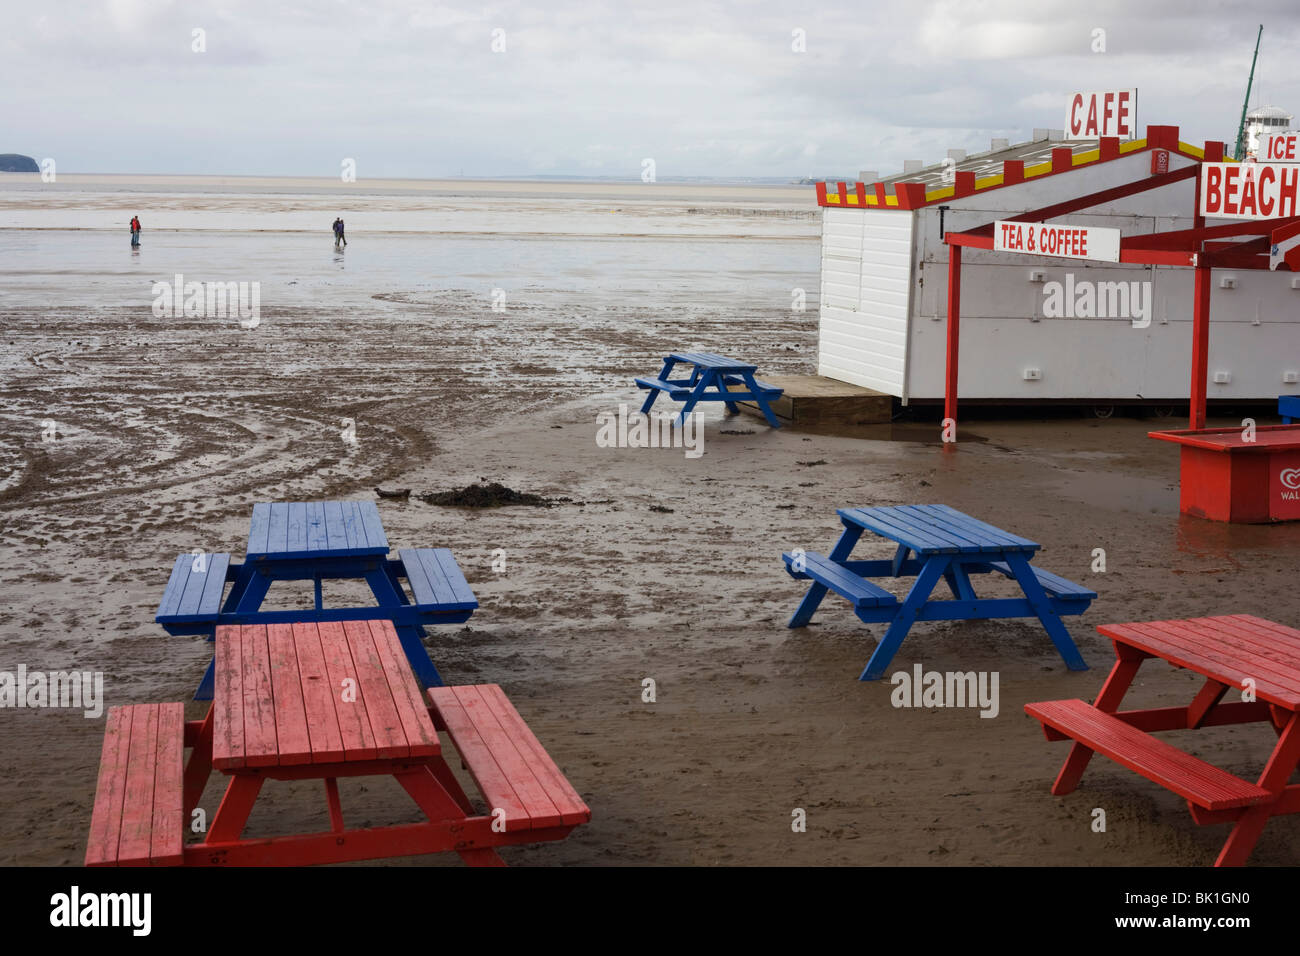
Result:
[1227,478]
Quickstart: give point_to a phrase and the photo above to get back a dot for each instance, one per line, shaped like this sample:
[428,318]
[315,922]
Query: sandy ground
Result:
[168,433]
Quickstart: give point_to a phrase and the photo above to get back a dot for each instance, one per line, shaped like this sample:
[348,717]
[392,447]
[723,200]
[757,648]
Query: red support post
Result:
[954,321]
[1200,347]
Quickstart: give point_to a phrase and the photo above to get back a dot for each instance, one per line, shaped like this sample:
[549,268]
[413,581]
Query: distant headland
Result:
[16,163]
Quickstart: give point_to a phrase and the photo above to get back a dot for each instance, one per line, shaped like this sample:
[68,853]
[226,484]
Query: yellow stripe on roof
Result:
[1083,159]
[946,193]
[1131,145]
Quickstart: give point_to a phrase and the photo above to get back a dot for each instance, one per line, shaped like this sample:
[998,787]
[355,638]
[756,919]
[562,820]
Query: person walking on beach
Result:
[338,233]
[135,232]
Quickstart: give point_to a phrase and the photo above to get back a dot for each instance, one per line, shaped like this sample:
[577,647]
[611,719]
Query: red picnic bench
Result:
[1233,652]
[323,700]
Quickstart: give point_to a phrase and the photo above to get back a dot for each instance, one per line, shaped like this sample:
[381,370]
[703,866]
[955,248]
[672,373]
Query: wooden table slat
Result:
[1230,651]
[882,523]
[963,538]
[374,528]
[277,529]
[421,737]
[295,541]
[293,741]
[380,708]
[168,820]
[228,700]
[980,531]
[135,842]
[110,793]
[318,695]
[317,536]
[260,742]
[336,532]
[258,528]
[1190,643]
[354,724]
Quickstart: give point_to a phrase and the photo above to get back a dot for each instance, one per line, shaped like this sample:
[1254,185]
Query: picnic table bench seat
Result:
[1055,585]
[138,818]
[857,590]
[512,770]
[1191,778]
[193,596]
[678,391]
[436,580]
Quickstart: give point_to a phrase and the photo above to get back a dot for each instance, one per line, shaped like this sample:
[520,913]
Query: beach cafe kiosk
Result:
[1085,277]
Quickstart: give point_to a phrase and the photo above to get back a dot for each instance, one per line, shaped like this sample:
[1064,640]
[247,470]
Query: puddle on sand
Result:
[899,431]
[1121,492]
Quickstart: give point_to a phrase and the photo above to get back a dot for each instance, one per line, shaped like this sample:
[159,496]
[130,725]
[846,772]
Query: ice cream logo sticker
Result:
[1290,479]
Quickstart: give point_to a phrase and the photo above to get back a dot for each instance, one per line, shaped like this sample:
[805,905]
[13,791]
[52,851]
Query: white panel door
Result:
[864,331]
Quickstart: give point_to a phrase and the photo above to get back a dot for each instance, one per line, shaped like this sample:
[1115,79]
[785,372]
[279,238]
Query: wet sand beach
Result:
[651,564]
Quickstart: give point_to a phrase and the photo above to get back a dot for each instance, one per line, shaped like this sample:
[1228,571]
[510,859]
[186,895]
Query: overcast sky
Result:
[292,87]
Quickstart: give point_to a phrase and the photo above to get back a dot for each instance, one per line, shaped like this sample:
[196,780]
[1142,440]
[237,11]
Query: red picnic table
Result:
[1237,652]
[324,700]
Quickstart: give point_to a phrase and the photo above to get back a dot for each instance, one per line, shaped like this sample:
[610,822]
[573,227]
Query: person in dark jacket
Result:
[135,231]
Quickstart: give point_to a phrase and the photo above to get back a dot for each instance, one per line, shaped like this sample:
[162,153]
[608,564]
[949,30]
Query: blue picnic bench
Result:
[318,541]
[713,378]
[1288,406]
[935,542]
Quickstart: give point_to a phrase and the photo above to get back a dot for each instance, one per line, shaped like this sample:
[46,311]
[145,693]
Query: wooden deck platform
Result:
[823,402]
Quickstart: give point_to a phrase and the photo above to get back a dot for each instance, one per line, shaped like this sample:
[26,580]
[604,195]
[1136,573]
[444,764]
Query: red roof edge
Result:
[911,195]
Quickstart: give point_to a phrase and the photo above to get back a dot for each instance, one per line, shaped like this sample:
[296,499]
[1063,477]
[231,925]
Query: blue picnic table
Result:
[713,378]
[318,541]
[1288,406]
[935,543]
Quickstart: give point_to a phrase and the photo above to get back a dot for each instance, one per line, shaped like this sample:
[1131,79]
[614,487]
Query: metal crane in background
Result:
[1240,152]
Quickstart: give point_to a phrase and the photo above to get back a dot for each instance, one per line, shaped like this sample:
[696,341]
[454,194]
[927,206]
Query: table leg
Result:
[335,805]
[387,596]
[699,390]
[1112,692]
[428,788]
[235,807]
[237,590]
[1206,700]
[254,592]
[199,766]
[813,599]
[418,655]
[933,569]
[1051,621]
[761,400]
[654,392]
[429,795]
[959,582]
[208,682]
[1281,765]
